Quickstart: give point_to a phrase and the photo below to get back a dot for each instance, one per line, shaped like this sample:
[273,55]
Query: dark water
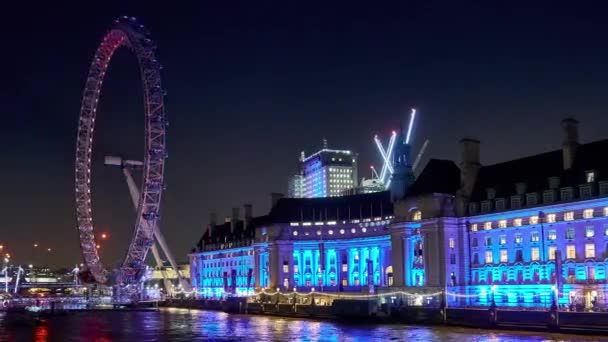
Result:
[195,325]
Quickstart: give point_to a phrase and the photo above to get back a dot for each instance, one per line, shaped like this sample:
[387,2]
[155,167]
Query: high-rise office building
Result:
[295,186]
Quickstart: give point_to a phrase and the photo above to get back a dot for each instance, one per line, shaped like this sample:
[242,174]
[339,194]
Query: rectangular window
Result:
[569,216]
[518,238]
[552,235]
[285,268]
[548,196]
[485,206]
[500,204]
[533,220]
[585,191]
[487,225]
[344,267]
[535,254]
[515,202]
[570,233]
[590,175]
[531,199]
[519,255]
[474,227]
[452,243]
[570,252]
[566,194]
[517,222]
[551,218]
[488,241]
[502,240]
[590,250]
[489,257]
[504,257]
[453,259]
[606,229]
[589,231]
[534,237]
[502,224]
[588,213]
[552,250]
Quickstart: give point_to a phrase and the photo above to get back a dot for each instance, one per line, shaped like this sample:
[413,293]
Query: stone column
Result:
[397,257]
[256,267]
[273,262]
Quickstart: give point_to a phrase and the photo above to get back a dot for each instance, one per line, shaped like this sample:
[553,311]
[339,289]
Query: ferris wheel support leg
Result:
[159,237]
[163,245]
[159,263]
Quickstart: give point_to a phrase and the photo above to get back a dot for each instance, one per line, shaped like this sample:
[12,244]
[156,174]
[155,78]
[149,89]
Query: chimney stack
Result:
[212,222]
[469,167]
[570,142]
[234,220]
[248,214]
[274,198]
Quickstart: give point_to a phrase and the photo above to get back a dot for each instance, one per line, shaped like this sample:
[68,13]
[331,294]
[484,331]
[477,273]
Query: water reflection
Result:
[189,325]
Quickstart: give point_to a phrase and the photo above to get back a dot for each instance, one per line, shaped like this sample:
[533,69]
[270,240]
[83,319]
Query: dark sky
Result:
[250,84]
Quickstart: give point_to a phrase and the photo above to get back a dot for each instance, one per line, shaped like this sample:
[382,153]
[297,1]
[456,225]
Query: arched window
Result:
[416,215]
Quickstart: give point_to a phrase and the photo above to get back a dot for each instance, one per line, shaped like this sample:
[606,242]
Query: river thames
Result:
[196,325]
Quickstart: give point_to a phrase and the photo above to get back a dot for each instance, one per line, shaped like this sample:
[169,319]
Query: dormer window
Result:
[603,188]
[500,204]
[585,190]
[515,202]
[566,194]
[548,196]
[491,193]
[531,199]
[473,207]
[590,176]
[485,206]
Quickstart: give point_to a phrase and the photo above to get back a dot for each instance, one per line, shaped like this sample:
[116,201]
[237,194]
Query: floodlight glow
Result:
[411,125]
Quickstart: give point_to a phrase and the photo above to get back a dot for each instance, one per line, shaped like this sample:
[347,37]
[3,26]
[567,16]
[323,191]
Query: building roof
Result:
[536,170]
[438,176]
[331,208]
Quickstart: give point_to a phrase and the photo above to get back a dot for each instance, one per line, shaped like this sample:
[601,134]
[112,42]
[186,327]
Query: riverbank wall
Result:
[369,311]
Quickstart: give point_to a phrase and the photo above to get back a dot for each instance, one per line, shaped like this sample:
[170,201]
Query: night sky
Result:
[250,84]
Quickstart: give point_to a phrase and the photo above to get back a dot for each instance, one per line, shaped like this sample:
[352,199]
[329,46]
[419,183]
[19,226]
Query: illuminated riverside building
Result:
[521,233]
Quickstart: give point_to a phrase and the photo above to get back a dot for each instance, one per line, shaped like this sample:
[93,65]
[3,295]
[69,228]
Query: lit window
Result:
[295,268]
[569,216]
[488,241]
[502,240]
[606,211]
[589,231]
[474,227]
[588,213]
[518,238]
[502,224]
[533,220]
[535,254]
[452,243]
[552,235]
[534,237]
[489,259]
[504,256]
[552,250]
[570,252]
[417,215]
[344,267]
[517,222]
[590,175]
[590,250]
[341,231]
[551,218]
[295,233]
[487,225]
[285,268]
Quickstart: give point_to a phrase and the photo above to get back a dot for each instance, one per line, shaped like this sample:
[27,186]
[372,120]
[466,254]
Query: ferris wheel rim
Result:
[125,32]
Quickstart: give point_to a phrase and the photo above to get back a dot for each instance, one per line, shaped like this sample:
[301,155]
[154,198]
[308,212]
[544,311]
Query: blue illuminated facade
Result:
[531,232]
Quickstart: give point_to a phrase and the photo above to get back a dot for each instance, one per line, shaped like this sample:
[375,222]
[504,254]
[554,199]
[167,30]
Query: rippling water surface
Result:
[196,325]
